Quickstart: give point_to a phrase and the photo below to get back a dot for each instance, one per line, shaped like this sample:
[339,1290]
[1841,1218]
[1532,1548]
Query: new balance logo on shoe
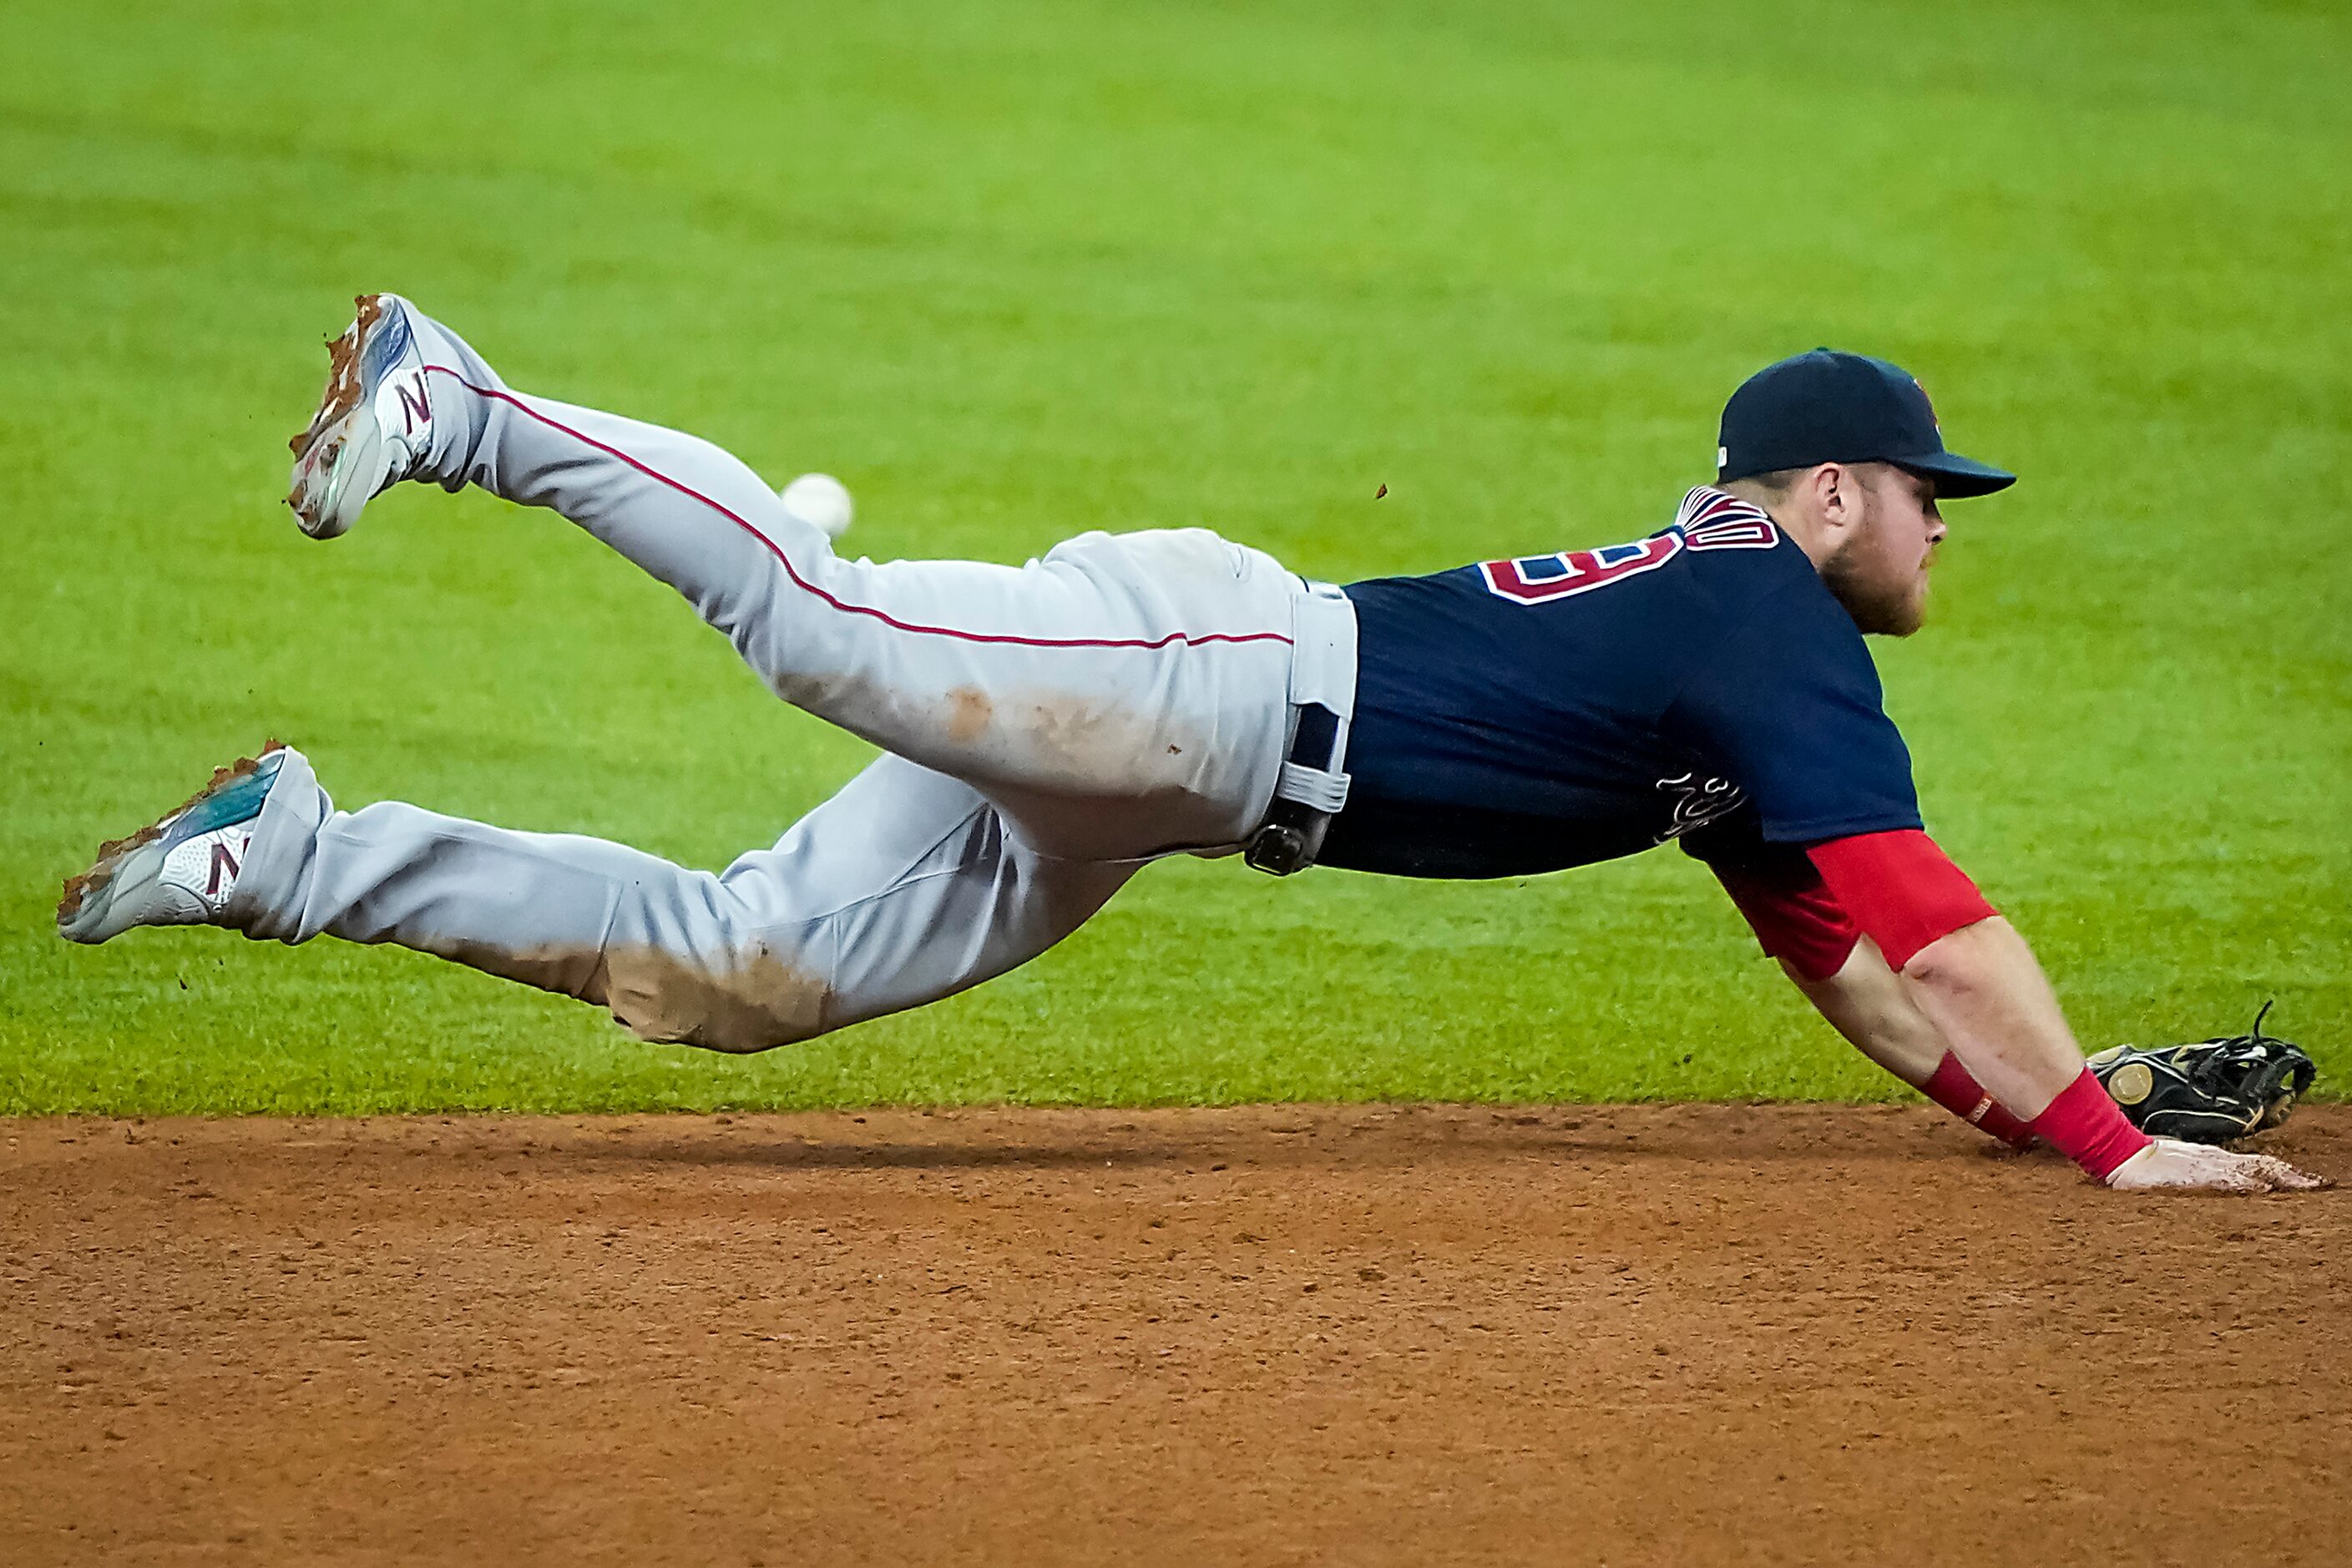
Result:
[415,409]
[223,861]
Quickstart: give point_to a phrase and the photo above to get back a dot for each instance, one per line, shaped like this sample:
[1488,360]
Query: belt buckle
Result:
[1277,848]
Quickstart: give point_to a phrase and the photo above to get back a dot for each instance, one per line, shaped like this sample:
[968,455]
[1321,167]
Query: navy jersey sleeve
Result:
[1789,705]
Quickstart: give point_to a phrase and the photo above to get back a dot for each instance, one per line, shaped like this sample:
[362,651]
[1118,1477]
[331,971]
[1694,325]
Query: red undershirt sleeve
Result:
[1792,914]
[1900,888]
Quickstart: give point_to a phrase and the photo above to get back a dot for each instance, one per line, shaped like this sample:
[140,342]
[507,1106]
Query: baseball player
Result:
[1046,729]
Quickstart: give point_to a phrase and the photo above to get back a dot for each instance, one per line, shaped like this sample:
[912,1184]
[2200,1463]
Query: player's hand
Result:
[2169,1164]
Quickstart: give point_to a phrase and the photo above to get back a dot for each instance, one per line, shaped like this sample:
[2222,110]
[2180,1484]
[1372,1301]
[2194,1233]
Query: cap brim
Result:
[1958,476]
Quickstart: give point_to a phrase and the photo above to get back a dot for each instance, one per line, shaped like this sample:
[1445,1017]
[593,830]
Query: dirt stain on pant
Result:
[968,711]
[753,1003]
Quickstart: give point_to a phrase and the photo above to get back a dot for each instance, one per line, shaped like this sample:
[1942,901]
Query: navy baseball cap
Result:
[1831,407]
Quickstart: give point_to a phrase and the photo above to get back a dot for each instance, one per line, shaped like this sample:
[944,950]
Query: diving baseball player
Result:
[1049,729]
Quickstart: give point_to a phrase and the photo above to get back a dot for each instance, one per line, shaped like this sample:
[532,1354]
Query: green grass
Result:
[1021,269]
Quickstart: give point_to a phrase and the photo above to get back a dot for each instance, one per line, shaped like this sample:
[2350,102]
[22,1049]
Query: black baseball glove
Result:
[2211,1091]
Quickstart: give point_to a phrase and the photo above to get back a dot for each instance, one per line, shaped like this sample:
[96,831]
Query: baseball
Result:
[820,501]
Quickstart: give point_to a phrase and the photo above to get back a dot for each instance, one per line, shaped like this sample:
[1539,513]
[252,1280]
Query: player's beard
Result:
[1880,606]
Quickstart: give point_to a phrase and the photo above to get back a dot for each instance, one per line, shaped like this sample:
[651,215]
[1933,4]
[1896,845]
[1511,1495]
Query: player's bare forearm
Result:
[1870,1005]
[1984,993]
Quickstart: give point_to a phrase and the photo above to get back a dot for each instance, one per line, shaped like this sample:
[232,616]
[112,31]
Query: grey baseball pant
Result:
[1047,730]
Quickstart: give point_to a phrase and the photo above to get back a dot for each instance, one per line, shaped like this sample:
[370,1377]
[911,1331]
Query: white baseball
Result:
[820,501]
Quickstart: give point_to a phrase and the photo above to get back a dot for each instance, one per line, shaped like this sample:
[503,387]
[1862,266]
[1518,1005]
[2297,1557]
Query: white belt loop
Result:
[1322,675]
[1312,785]
[1323,649]
[1324,791]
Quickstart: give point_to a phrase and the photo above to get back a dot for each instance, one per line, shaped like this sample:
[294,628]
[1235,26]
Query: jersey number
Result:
[1539,579]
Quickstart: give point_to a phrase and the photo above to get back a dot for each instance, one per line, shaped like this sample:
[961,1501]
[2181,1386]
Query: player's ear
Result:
[1837,494]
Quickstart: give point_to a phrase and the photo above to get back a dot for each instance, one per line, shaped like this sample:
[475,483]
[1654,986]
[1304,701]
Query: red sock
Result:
[2088,1127]
[1951,1087]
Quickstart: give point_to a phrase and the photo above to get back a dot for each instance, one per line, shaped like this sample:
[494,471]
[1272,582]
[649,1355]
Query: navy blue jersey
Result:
[1521,716]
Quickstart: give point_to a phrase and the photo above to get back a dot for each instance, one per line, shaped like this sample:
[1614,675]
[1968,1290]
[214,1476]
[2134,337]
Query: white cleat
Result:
[182,870]
[374,421]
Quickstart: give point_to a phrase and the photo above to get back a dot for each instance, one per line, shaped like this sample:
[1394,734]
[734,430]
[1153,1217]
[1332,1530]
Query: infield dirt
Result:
[1273,1334]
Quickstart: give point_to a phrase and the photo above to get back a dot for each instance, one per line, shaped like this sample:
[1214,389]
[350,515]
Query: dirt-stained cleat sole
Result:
[373,421]
[179,869]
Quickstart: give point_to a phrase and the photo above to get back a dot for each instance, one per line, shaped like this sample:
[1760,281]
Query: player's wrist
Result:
[1954,1087]
[2088,1127]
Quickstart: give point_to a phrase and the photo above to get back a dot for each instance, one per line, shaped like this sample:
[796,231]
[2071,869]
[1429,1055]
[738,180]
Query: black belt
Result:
[1308,794]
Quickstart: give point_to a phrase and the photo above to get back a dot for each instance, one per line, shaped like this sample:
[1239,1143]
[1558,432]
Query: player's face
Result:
[1880,572]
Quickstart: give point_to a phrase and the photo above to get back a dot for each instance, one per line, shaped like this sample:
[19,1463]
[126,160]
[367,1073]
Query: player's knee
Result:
[749,1001]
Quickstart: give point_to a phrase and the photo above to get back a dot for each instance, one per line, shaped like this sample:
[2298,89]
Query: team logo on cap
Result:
[1933,418]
